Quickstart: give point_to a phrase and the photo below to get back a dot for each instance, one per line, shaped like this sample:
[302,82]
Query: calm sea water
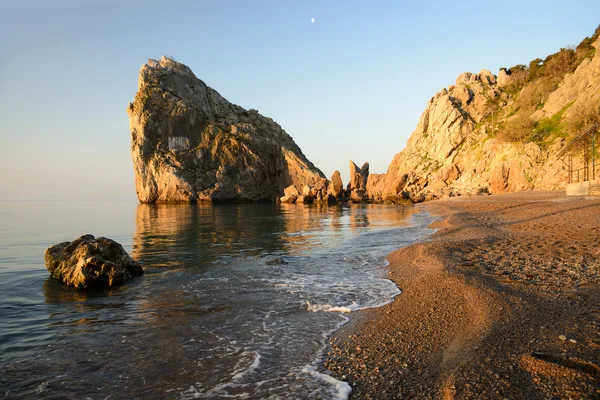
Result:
[212,317]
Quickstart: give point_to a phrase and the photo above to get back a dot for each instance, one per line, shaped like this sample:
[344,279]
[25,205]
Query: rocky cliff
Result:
[189,144]
[488,134]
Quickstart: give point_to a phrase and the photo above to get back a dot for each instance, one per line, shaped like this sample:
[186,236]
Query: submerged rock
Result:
[330,200]
[276,261]
[88,262]
[190,144]
[304,199]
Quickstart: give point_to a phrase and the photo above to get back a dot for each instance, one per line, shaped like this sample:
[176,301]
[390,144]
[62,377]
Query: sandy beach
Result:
[503,301]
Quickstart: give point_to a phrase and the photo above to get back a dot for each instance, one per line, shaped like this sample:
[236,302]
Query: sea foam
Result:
[329,308]
[341,389]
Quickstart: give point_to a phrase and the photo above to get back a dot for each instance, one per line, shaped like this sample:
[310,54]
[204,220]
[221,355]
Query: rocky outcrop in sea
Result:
[189,144]
[91,263]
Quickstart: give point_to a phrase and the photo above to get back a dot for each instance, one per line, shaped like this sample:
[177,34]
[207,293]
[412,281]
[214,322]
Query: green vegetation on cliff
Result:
[530,87]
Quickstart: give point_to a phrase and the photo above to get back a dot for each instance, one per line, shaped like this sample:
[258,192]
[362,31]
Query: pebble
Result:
[572,340]
[562,337]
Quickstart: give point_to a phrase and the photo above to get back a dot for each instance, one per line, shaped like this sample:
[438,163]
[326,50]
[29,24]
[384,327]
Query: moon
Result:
[312,20]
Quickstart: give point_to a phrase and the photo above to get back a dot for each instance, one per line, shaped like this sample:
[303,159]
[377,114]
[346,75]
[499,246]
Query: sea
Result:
[237,301]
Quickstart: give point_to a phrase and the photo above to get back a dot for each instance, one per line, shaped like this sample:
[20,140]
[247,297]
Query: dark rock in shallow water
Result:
[330,200]
[88,262]
[276,261]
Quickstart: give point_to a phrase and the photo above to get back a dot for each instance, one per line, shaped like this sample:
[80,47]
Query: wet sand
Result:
[503,301]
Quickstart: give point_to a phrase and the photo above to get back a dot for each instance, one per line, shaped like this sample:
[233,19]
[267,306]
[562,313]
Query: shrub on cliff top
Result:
[516,129]
[585,48]
[553,67]
[531,85]
[582,116]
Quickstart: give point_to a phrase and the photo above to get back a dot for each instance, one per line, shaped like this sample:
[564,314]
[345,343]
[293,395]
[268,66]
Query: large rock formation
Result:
[190,144]
[456,148]
[90,263]
[358,176]
[336,188]
[357,187]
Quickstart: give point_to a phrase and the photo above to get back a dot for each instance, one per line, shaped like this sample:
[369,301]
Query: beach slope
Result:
[501,302]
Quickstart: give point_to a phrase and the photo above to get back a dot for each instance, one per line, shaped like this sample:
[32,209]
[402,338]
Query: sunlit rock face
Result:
[454,151]
[189,144]
[358,182]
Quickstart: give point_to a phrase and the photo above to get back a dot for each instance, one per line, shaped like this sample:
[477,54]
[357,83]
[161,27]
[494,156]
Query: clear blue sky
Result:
[350,86]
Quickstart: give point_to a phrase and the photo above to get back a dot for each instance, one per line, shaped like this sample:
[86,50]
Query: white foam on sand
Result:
[329,308]
[341,389]
[351,307]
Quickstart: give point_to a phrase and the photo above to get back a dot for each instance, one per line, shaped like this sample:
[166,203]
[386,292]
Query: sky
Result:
[350,86]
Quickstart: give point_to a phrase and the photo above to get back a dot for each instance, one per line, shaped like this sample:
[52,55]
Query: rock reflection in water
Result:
[56,292]
[165,230]
[72,311]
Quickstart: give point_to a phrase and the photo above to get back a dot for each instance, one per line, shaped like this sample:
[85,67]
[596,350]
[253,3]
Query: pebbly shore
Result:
[501,302]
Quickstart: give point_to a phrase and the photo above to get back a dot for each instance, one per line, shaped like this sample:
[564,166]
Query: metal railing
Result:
[584,174]
[581,151]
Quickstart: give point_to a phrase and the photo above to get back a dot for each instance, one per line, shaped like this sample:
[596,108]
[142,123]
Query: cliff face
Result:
[190,144]
[460,148]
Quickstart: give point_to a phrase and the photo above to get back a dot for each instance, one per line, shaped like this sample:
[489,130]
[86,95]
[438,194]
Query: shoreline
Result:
[501,301]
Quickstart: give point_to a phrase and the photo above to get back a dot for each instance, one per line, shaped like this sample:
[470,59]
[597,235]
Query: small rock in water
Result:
[276,261]
[562,337]
[88,262]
